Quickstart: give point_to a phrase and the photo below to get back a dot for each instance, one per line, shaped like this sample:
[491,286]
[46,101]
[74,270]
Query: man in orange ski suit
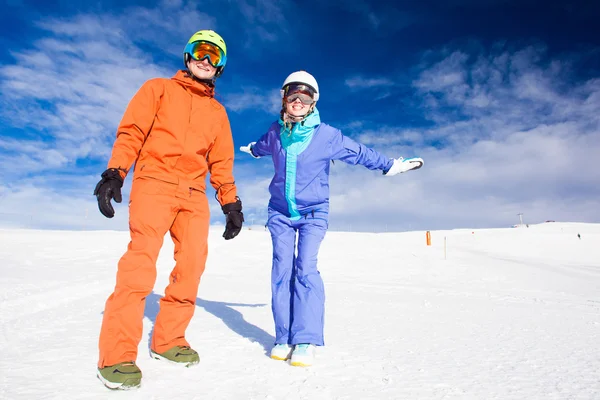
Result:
[175,132]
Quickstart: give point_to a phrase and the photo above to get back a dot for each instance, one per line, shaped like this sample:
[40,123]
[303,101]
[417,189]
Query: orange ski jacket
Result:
[175,131]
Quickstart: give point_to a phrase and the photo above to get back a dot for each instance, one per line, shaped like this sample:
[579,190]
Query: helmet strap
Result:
[209,82]
[290,120]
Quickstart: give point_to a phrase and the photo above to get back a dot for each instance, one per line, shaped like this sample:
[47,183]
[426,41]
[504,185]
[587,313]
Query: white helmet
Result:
[301,77]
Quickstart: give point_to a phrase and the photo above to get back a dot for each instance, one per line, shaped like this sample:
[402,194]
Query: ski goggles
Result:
[304,98]
[200,50]
[294,91]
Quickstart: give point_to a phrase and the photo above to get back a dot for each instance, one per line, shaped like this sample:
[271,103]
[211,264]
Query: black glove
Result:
[234,219]
[107,189]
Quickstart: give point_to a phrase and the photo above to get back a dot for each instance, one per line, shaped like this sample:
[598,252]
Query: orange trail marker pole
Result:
[428,238]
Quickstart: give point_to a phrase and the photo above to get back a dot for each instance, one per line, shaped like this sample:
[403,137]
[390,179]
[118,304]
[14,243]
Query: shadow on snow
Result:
[232,318]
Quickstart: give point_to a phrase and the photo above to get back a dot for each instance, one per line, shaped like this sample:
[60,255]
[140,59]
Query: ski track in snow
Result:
[507,314]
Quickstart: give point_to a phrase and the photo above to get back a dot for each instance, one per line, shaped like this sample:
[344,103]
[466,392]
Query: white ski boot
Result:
[281,352]
[303,355]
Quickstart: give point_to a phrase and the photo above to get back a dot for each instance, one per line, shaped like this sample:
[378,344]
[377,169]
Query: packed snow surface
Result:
[480,314]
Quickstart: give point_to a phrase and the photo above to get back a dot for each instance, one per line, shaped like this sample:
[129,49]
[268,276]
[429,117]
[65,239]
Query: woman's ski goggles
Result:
[304,98]
[200,50]
[293,92]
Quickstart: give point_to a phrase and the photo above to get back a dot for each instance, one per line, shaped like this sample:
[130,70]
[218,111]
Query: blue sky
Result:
[500,97]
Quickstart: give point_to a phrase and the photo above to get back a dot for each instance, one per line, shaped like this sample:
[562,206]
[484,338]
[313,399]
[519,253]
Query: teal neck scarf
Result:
[296,139]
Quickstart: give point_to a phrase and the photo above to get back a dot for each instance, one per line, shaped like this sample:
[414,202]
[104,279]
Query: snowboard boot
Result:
[281,352]
[125,375]
[181,355]
[303,355]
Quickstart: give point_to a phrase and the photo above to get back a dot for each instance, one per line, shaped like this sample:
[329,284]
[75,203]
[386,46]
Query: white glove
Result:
[248,149]
[401,165]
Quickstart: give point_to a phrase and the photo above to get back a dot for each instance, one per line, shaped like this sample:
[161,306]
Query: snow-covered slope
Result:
[486,314]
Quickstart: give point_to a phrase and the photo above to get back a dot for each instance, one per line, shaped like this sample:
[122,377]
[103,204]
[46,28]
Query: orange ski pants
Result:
[155,208]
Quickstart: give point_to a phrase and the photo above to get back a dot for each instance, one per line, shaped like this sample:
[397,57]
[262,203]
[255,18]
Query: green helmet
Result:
[211,37]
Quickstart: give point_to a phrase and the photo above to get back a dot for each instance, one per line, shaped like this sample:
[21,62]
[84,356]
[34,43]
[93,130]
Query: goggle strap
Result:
[300,87]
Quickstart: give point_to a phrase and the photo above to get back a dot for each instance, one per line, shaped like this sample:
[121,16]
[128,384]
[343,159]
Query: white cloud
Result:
[513,133]
[61,202]
[254,98]
[82,86]
[388,136]
[358,82]
[381,87]
[264,21]
[264,11]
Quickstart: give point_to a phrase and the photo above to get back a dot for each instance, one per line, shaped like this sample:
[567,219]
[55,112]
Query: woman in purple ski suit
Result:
[302,149]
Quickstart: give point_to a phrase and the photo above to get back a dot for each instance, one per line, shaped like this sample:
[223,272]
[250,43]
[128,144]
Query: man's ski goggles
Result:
[200,50]
[295,91]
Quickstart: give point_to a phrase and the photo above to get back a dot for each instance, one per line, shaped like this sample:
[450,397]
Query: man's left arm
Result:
[220,165]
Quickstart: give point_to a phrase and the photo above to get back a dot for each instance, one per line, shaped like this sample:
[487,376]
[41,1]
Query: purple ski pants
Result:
[298,295]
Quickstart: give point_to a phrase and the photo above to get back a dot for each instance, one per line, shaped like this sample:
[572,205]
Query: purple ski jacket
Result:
[301,182]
